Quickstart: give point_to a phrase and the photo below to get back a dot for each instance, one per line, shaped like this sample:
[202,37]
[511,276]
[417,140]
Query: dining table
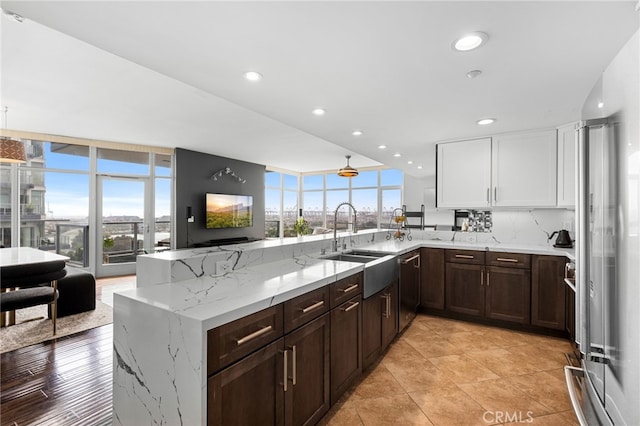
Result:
[29,262]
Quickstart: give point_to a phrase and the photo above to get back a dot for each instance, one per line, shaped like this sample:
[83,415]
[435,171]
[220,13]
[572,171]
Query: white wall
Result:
[423,191]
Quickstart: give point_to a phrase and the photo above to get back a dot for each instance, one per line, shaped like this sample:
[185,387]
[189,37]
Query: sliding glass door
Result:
[124,224]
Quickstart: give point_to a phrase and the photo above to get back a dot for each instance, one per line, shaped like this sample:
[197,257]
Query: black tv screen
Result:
[229,211]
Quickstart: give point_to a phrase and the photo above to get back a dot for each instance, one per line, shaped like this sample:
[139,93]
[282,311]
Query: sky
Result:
[67,194]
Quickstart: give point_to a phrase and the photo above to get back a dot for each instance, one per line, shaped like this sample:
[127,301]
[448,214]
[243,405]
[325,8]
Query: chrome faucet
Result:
[335,223]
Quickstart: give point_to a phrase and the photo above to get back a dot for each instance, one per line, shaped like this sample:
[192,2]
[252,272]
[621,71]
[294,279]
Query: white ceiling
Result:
[170,73]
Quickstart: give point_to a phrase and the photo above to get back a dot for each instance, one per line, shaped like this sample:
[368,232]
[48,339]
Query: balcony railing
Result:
[72,240]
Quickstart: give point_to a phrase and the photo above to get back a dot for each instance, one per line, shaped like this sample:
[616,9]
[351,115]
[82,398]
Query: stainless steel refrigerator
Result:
[606,389]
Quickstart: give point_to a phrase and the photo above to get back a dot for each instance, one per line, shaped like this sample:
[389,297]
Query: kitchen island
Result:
[160,329]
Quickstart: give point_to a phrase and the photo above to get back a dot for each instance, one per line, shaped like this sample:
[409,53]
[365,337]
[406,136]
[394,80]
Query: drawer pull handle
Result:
[507,259]
[254,335]
[464,256]
[350,288]
[352,306]
[312,307]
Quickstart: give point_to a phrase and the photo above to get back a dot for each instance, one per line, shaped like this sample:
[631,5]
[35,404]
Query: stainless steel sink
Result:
[380,269]
[350,257]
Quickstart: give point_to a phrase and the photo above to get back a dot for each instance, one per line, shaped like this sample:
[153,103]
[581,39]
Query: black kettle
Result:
[563,240]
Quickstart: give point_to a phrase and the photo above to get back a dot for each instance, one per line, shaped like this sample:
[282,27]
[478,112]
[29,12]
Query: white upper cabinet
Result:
[508,170]
[567,143]
[464,174]
[524,168]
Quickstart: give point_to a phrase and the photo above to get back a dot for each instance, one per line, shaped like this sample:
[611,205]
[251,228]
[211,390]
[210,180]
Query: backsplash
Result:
[518,226]
[480,221]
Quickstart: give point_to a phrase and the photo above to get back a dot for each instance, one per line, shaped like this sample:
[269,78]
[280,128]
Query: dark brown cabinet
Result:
[232,392]
[465,288]
[379,323]
[346,346]
[507,294]
[409,288]
[307,370]
[372,309]
[491,285]
[570,314]
[432,278]
[548,292]
[389,328]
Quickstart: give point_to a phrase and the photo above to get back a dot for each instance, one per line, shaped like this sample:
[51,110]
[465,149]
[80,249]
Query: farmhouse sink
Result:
[351,257]
[380,270]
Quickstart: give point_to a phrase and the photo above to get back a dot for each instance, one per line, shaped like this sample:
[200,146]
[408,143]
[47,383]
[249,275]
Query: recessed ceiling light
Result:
[486,121]
[318,111]
[473,73]
[397,154]
[600,104]
[420,167]
[253,76]
[409,162]
[470,41]
[357,133]
[382,147]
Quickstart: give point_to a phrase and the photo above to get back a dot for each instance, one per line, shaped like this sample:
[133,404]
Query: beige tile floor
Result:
[446,372]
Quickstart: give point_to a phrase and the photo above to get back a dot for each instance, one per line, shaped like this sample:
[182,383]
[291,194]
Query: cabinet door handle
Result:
[495,194]
[286,368]
[481,277]
[464,256]
[352,306]
[411,259]
[253,335]
[350,288]
[488,279]
[507,259]
[488,195]
[312,307]
[295,365]
[387,305]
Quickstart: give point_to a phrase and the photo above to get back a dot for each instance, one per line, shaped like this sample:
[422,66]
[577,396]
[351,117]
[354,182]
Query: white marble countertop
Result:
[12,256]
[213,300]
[401,247]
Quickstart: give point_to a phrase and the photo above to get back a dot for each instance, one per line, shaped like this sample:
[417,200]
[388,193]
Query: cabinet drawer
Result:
[509,260]
[230,342]
[304,308]
[345,289]
[465,256]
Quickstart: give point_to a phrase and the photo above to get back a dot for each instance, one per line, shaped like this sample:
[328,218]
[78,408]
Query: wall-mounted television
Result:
[229,211]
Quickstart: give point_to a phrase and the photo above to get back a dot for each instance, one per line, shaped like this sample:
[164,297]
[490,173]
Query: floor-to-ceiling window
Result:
[67,197]
[374,194]
[281,204]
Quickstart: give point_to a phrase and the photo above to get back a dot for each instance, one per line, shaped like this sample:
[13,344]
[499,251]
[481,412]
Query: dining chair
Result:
[29,285]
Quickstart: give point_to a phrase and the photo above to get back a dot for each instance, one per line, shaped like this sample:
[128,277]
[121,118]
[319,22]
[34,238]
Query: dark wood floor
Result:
[66,381]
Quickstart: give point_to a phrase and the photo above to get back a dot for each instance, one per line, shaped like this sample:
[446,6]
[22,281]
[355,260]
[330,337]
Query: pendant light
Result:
[11,150]
[347,171]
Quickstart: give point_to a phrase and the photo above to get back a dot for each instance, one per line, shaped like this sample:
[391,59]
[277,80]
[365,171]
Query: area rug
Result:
[31,332]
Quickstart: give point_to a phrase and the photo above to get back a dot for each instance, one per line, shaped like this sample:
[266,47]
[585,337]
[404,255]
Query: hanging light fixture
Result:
[347,171]
[11,150]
